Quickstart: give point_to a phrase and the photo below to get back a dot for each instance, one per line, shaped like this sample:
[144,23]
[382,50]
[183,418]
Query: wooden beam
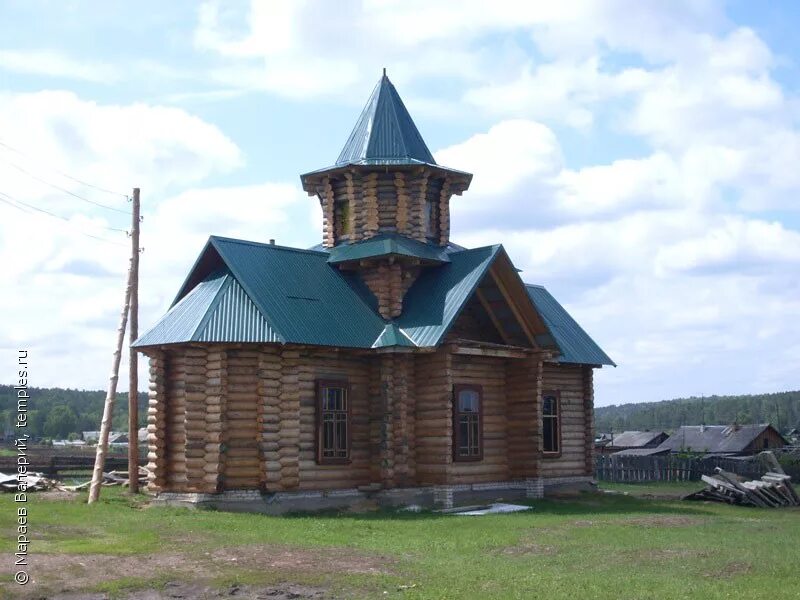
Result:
[494,352]
[503,290]
[492,316]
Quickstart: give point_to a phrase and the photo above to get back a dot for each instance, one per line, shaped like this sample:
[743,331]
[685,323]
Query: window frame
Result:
[557,395]
[321,384]
[457,388]
[431,218]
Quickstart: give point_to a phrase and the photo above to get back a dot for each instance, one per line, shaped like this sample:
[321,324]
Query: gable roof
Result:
[216,310]
[300,298]
[240,291]
[431,305]
[387,244]
[714,438]
[575,344]
[635,439]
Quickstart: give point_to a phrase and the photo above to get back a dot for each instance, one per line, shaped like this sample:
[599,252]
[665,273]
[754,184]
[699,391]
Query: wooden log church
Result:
[385,365]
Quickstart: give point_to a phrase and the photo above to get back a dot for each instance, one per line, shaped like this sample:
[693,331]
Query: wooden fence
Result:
[609,467]
[52,465]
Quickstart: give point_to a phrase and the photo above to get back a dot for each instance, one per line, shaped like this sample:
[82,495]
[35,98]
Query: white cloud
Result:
[645,253]
[63,288]
[55,64]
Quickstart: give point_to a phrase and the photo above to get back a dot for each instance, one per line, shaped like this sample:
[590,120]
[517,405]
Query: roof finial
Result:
[384,71]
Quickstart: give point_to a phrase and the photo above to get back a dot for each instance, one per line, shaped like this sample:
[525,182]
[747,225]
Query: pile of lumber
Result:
[773,490]
[35,482]
[111,478]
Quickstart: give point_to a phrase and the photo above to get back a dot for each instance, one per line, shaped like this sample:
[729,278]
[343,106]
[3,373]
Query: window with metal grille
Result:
[551,425]
[333,422]
[467,422]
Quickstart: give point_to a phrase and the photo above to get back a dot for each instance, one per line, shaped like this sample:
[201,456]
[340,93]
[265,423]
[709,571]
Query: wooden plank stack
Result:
[773,490]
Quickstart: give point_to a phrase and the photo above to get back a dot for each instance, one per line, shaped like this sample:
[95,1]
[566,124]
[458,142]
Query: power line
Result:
[47,212]
[5,198]
[65,190]
[68,176]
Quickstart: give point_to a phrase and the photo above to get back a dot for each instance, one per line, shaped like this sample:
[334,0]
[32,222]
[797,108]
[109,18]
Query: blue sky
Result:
[639,159]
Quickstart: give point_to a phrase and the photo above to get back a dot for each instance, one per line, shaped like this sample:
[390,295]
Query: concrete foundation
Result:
[434,497]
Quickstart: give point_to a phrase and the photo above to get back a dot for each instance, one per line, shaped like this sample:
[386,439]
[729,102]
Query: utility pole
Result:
[108,408]
[133,368]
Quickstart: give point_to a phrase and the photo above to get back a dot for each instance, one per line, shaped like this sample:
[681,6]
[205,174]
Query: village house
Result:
[634,442]
[723,440]
[386,364]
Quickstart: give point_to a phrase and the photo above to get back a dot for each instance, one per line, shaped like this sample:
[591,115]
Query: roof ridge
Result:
[267,245]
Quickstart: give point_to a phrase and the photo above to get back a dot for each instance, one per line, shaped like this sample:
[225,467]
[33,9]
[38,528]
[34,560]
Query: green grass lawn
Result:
[593,546]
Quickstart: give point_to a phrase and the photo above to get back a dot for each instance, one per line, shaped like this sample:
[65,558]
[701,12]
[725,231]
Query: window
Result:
[333,422]
[551,426]
[344,225]
[467,423]
[431,216]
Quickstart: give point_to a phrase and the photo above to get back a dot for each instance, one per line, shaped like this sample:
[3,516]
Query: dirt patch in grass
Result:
[336,560]
[191,591]
[71,573]
[527,548]
[664,555]
[665,521]
[730,570]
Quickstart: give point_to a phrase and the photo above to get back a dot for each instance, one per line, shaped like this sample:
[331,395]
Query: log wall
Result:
[385,202]
[156,423]
[244,417]
[490,374]
[570,381]
[175,478]
[433,417]
[523,389]
[322,364]
[242,461]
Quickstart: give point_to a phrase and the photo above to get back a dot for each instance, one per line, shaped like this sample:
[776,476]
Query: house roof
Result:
[387,244]
[635,439]
[575,344]
[241,291]
[438,295]
[714,439]
[640,452]
[293,295]
[385,134]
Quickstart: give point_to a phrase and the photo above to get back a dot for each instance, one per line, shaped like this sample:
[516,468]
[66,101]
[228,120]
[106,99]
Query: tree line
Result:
[57,413]
[781,409]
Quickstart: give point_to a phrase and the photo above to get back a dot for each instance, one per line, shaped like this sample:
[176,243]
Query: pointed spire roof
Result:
[385,134]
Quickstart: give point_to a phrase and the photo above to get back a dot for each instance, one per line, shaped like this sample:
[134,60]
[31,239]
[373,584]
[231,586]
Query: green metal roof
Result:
[575,344]
[392,335]
[387,244]
[241,291]
[302,298]
[216,310]
[435,300]
[385,133]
